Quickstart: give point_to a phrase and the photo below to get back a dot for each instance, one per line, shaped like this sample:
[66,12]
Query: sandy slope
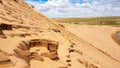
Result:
[28,39]
[100,38]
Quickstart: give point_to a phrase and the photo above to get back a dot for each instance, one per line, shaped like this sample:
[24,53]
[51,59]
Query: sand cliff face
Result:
[29,39]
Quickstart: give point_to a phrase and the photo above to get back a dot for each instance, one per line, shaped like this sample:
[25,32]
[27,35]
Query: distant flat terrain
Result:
[91,21]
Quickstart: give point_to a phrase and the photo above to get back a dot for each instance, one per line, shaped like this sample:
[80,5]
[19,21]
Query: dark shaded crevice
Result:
[1,2]
[4,27]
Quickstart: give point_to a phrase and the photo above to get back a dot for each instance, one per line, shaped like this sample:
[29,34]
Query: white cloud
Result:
[86,5]
[64,8]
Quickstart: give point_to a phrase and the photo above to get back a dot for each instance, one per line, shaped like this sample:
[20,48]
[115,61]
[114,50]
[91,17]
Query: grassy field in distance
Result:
[92,21]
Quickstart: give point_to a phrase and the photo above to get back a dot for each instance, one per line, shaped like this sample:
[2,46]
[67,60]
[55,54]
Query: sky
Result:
[76,8]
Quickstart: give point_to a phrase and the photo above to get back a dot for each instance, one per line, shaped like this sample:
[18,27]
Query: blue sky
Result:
[77,8]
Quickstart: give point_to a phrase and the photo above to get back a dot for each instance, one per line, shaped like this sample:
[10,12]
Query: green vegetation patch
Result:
[92,21]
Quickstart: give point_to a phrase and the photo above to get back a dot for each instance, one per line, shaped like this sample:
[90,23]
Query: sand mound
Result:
[28,39]
[31,50]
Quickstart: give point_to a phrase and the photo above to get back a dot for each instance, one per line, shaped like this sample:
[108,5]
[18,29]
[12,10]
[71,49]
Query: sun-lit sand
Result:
[29,39]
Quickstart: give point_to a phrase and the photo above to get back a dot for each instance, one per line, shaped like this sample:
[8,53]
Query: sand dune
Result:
[29,39]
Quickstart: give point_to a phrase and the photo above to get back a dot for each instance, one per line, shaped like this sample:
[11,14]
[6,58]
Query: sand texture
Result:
[29,39]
